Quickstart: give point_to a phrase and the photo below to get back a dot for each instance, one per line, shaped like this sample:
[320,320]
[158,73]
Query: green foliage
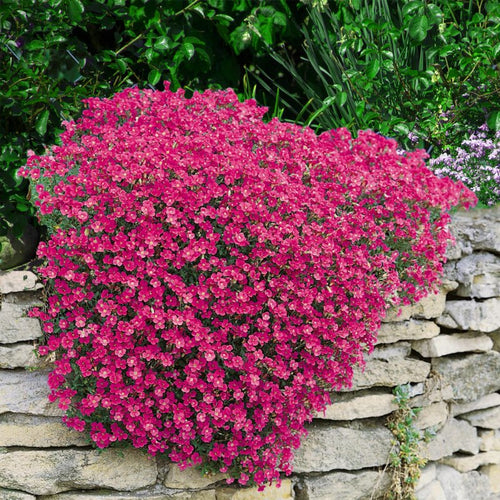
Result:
[395,67]
[54,53]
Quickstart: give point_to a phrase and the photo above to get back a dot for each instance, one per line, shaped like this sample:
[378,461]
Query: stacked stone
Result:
[446,347]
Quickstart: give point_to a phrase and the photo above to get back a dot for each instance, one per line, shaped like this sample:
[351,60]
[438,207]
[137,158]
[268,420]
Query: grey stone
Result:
[487,401]
[466,464]
[15,495]
[486,419]
[15,251]
[389,352]
[363,404]
[26,392]
[190,478]
[495,336]
[478,275]
[18,356]
[456,486]
[432,491]
[490,440]
[149,494]
[49,472]
[456,435]
[380,373]
[471,315]
[329,447]
[471,376]
[18,281]
[478,229]
[412,329]
[284,492]
[434,415]
[15,326]
[451,344]
[37,432]
[427,475]
[362,485]
[492,472]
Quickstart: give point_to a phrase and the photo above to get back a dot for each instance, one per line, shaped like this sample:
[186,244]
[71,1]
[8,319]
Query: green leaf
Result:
[372,69]
[75,10]
[341,98]
[418,28]
[494,121]
[410,7]
[154,76]
[435,14]
[188,49]
[41,123]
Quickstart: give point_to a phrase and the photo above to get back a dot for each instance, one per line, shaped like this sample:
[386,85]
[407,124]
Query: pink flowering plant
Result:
[212,277]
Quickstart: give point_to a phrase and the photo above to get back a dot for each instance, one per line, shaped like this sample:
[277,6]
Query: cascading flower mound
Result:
[212,278]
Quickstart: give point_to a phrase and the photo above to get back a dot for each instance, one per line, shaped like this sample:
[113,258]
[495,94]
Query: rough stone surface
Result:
[380,373]
[478,275]
[18,281]
[388,352]
[361,485]
[18,356]
[456,486]
[15,326]
[490,440]
[429,307]
[451,344]
[456,435]
[284,492]
[349,448]
[434,390]
[26,392]
[406,330]
[189,478]
[487,401]
[15,495]
[467,464]
[15,251]
[432,491]
[363,404]
[48,472]
[471,315]
[471,376]
[37,432]
[434,415]
[478,229]
[492,472]
[427,475]
[486,419]
[150,494]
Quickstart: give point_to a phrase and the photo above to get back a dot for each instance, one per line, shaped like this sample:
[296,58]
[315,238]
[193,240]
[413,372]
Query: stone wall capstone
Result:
[446,347]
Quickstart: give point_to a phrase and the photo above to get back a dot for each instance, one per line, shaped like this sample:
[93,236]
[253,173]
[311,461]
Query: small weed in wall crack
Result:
[405,459]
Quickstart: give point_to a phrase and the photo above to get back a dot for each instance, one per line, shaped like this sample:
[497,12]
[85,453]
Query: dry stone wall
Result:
[447,348]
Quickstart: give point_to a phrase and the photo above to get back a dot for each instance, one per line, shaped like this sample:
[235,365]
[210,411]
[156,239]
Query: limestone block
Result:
[380,373]
[362,485]
[427,475]
[434,415]
[18,356]
[478,229]
[190,478]
[492,472]
[15,495]
[363,404]
[18,281]
[473,462]
[26,392]
[487,401]
[471,315]
[495,336]
[37,432]
[148,494]
[451,344]
[412,329]
[434,390]
[490,440]
[48,472]
[456,435]
[389,352]
[284,492]
[354,447]
[478,275]
[15,326]
[457,486]
[432,491]
[471,376]
[486,419]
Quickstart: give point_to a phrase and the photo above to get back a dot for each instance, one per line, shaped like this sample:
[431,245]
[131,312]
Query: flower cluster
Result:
[213,277]
[476,163]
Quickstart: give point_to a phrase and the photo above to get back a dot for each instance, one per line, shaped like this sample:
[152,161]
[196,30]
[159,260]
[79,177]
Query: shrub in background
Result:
[212,277]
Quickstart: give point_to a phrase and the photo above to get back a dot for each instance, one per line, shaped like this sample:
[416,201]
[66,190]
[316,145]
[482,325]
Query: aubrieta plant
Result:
[213,277]
[476,163]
